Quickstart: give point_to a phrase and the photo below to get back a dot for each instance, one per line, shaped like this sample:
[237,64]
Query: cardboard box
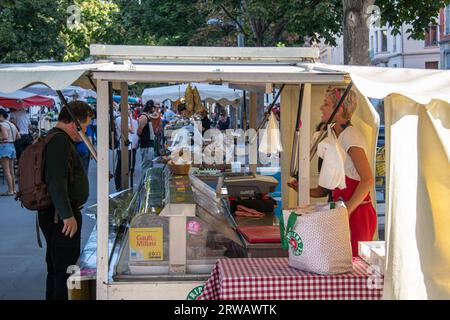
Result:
[373,252]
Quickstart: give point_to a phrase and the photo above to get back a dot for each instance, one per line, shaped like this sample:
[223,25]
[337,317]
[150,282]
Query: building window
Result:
[394,47]
[376,42]
[431,36]
[432,65]
[448,61]
[447,19]
[384,41]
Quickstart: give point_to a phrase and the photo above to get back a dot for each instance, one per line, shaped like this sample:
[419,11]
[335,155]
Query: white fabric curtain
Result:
[418,199]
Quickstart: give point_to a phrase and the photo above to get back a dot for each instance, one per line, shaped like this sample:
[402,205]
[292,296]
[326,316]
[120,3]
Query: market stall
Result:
[276,67]
[283,74]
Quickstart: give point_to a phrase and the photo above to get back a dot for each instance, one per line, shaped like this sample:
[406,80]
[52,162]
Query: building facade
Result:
[397,51]
[444,43]
[332,55]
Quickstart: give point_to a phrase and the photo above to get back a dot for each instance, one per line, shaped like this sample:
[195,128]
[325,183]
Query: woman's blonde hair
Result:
[349,104]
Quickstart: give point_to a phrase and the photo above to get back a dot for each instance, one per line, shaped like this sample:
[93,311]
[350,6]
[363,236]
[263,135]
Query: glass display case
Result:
[178,227]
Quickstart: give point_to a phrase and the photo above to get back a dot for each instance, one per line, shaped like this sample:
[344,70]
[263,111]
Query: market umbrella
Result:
[22,99]
[70,91]
[117,99]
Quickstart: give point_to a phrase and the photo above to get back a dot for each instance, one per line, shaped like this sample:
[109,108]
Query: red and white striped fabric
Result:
[272,278]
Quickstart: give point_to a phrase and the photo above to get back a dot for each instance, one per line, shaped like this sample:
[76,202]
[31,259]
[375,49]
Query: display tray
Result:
[192,267]
[260,234]
[265,250]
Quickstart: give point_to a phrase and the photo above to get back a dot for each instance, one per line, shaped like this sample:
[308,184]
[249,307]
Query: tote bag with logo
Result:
[318,239]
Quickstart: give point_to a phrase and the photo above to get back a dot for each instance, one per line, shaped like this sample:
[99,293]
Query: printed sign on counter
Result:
[146,244]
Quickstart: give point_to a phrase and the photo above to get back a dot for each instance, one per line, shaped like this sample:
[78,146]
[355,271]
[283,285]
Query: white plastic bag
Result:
[271,140]
[332,173]
[318,239]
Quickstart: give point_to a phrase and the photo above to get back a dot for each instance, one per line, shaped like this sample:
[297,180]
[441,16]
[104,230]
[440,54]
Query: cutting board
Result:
[260,234]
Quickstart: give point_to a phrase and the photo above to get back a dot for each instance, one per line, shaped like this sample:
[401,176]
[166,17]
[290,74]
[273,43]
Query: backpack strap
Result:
[48,137]
[38,235]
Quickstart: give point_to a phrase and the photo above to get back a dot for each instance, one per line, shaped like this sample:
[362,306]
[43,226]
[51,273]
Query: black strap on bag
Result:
[38,234]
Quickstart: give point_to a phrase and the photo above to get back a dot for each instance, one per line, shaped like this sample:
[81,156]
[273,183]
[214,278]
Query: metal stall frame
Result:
[252,67]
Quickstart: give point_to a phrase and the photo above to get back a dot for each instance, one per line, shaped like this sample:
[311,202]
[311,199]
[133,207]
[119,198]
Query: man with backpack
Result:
[68,187]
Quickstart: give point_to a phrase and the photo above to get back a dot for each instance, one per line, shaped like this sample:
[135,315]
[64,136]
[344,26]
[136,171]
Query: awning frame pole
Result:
[267,115]
[295,147]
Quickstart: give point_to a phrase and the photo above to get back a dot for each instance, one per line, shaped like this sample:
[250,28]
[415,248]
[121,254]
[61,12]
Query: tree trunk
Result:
[356,32]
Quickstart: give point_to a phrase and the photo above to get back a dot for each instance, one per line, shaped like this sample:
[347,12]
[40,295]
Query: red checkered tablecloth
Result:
[272,278]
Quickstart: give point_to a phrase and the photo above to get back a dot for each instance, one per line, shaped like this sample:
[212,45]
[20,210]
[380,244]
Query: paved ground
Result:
[22,262]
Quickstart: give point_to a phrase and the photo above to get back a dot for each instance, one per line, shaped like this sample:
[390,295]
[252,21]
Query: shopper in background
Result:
[94,126]
[224,121]
[168,116]
[68,186]
[132,128]
[8,135]
[134,139]
[156,120]
[145,132]
[83,150]
[22,121]
[206,123]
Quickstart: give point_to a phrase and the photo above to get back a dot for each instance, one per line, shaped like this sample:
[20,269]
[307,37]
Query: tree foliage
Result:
[291,22]
[155,22]
[32,30]
[95,26]
[419,14]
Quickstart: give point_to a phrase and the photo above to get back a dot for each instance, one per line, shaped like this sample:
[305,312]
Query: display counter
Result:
[169,234]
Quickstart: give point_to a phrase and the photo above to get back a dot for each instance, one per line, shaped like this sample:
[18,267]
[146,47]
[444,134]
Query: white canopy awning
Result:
[55,75]
[419,85]
[254,73]
[208,92]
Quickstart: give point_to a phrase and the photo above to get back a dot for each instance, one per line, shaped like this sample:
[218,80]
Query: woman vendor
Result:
[358,174]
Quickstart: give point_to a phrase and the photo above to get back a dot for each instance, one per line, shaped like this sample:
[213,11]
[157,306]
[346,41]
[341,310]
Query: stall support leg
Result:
[177,246]
[304,147]
[253,119]
[288,117]
[102,190]
[124,129]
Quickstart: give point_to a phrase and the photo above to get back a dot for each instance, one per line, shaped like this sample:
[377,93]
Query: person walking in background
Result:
[206,123]
[68,186]
[21,119]
[134,139]
[145,132]
[8,135]
[224,121]
[168,116]
[83,150]
[94,126]
[156,119]
[132,128]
